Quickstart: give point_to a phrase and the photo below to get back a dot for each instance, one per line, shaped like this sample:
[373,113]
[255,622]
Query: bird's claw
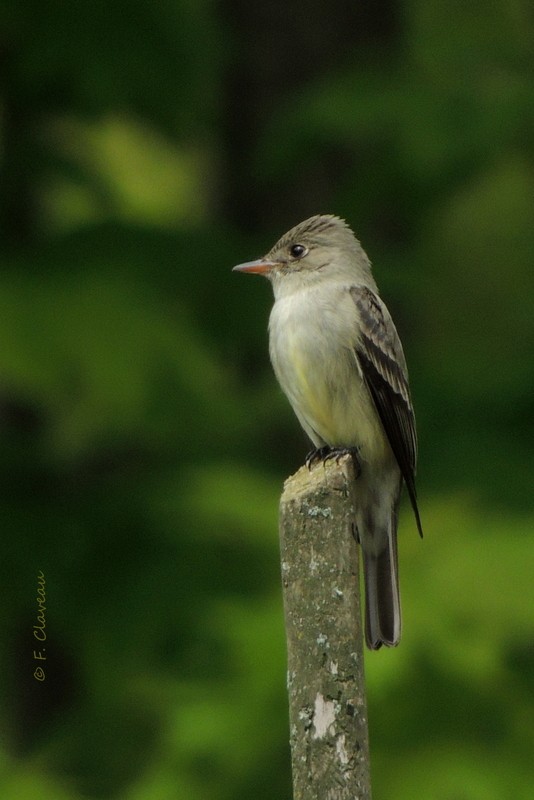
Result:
[317,454]
[339,452]
[326,453]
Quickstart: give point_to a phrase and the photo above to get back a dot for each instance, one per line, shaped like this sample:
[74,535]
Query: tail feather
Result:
[382,599]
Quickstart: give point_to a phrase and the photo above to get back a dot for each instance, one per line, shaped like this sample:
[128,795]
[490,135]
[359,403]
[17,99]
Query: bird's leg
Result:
[317,454]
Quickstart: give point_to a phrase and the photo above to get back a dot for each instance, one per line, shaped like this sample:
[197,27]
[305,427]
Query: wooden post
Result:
[320,575]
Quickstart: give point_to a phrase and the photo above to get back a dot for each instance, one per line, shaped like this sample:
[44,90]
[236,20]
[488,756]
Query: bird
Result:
[339,360]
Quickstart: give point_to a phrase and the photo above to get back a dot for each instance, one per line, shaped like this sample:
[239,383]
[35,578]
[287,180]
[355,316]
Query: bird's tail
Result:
[382,600]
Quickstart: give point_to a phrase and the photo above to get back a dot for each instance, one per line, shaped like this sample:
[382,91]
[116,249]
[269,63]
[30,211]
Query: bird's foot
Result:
[317,454]
[326,453]
[339,452]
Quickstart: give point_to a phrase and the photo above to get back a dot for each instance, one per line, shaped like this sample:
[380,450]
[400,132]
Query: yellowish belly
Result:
[331,398]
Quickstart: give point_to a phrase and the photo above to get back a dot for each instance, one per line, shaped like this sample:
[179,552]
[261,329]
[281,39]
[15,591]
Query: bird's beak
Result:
[259,267]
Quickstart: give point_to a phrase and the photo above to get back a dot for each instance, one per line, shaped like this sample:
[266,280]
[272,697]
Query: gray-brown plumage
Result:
[339,360]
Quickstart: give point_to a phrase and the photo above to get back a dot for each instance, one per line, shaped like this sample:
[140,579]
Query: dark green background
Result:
[146,148]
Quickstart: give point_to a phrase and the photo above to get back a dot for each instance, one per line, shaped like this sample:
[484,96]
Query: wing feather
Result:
[381,357]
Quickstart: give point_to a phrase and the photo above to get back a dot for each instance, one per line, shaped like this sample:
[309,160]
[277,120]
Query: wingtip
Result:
[413,500]
[417,518]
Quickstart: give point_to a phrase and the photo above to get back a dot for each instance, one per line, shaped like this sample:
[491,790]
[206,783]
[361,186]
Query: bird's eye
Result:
[298,250]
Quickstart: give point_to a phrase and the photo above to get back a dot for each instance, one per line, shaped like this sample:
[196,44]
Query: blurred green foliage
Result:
[146,148]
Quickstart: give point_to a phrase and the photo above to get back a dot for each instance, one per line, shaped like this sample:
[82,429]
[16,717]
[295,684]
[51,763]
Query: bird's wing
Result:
[381,357]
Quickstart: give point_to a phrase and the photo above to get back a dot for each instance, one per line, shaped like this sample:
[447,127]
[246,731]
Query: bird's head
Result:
[321,246]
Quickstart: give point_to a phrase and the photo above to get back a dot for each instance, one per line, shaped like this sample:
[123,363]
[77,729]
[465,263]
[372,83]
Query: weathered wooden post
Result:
[320,575]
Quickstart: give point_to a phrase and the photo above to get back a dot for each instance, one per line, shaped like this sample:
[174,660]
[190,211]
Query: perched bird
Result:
[338,358]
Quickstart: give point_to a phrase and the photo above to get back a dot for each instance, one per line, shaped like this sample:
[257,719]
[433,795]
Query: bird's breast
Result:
[313,340]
